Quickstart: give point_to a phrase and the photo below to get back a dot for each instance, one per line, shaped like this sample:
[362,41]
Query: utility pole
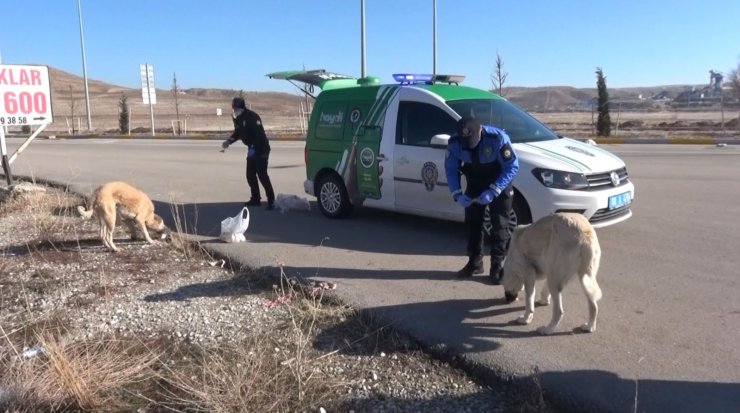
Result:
[434,37]
[84,68]
[4,155]
[362,38]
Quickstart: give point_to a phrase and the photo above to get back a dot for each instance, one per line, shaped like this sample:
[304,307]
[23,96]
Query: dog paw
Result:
[525,319]
[542,303]
[586,328]
[545,331]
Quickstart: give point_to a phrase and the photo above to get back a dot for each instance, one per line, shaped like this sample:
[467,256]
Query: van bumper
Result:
[308,187]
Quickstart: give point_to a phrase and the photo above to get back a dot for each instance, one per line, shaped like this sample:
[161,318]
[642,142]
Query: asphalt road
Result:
[669,326]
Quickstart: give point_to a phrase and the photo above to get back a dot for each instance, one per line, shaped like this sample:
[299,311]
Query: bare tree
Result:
[175,93]
[734,80]
[72,108]
[499,75]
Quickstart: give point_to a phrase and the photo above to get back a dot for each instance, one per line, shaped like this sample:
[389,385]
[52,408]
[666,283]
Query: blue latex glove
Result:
[486,197]
[463,200]
[250,152]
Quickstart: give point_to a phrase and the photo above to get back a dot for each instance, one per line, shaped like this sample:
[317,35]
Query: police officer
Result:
[485,156]
[248,128]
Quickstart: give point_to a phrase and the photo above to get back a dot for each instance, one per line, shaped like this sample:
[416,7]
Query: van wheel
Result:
[487,226]
[519,215]
[521,209]
[333,198]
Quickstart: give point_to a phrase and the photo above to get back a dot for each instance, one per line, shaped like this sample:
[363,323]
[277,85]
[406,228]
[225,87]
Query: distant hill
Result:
[197,105]
[564,98]
[281,110]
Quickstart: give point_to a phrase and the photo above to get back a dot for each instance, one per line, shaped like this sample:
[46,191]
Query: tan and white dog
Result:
[120,200]
[556,248]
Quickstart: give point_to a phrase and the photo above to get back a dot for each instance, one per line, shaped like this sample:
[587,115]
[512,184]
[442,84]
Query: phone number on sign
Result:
[13,120]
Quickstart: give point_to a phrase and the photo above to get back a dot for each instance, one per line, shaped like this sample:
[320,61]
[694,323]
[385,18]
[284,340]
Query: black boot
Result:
[253,202]
[474,266]
[496,273]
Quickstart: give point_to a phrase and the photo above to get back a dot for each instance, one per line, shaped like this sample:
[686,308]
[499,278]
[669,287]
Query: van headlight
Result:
[560,179]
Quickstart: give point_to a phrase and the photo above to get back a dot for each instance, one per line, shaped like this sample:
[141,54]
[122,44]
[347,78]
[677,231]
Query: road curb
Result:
[614,140]
[677,140]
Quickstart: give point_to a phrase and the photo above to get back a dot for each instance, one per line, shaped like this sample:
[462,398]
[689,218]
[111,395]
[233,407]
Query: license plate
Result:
[618,201]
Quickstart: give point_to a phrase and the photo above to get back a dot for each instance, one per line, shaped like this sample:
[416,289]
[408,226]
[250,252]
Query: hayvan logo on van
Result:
[332,118]
[367,157]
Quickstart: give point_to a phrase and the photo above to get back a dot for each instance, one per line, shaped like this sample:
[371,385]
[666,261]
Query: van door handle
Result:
[381,158]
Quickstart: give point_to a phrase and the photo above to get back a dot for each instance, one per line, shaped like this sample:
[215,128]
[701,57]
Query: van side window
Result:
[329,119]
[418,122]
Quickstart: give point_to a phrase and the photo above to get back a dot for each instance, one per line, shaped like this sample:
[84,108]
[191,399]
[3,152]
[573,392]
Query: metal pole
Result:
[4,128]
[362,36]
[84,68]
[5,162]
[4,154]
[149,94]
[434,37]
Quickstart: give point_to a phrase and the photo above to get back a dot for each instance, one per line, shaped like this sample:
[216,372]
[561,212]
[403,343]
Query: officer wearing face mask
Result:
[485,156]
[248,128]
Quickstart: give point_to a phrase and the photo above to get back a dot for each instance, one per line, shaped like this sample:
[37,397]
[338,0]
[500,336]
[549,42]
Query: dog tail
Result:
[590,257]
[84,212]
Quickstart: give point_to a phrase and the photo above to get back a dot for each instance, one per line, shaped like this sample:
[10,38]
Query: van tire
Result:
[519,215]
[332,197]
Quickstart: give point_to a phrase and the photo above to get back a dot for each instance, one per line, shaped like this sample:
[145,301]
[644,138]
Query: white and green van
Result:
[383,146]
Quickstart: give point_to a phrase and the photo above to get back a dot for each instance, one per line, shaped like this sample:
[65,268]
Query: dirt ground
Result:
[167,327]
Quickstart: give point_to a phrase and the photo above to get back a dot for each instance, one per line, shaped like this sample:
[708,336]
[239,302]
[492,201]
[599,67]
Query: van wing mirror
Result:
[440,140]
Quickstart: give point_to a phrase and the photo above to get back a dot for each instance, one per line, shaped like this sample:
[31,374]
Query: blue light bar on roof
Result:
[411,78]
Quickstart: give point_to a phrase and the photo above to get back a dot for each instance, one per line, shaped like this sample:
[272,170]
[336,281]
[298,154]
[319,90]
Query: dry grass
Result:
[86,375]
[273,371]
[287,364]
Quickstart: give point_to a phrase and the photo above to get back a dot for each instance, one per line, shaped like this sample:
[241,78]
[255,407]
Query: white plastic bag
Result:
[233,228]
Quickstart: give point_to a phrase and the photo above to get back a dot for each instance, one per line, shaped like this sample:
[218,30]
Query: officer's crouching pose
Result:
[485,156]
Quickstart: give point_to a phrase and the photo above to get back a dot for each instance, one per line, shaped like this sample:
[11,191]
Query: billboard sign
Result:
[25,95]
[147,84]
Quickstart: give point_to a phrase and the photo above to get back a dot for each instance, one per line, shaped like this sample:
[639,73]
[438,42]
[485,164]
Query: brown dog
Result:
[119,199]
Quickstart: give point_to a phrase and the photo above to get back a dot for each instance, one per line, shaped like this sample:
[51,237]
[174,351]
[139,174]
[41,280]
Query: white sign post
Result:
[25,99]
[148,92]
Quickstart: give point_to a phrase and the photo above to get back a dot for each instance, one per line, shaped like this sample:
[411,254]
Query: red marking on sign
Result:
[20,77]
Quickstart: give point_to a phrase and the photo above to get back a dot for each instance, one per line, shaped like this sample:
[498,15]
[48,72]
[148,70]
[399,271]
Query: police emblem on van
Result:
[367,157]
[429,175]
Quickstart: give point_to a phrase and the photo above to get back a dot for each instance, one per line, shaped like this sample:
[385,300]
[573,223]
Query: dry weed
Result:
[83,375]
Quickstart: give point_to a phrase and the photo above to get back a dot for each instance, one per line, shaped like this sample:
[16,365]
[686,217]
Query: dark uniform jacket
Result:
[491,165]
[248,128]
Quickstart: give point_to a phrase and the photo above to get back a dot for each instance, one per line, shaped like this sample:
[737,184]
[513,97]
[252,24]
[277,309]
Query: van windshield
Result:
[518,124]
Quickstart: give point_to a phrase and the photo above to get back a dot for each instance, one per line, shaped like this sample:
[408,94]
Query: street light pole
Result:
[434,37]
[84,68]
[362,38]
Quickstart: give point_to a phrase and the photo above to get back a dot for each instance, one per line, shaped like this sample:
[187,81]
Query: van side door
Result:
[419,175]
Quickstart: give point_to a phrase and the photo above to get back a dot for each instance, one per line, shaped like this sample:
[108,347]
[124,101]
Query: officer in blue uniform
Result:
[485,156]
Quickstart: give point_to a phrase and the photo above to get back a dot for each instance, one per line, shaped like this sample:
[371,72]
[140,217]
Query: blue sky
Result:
[233,44]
